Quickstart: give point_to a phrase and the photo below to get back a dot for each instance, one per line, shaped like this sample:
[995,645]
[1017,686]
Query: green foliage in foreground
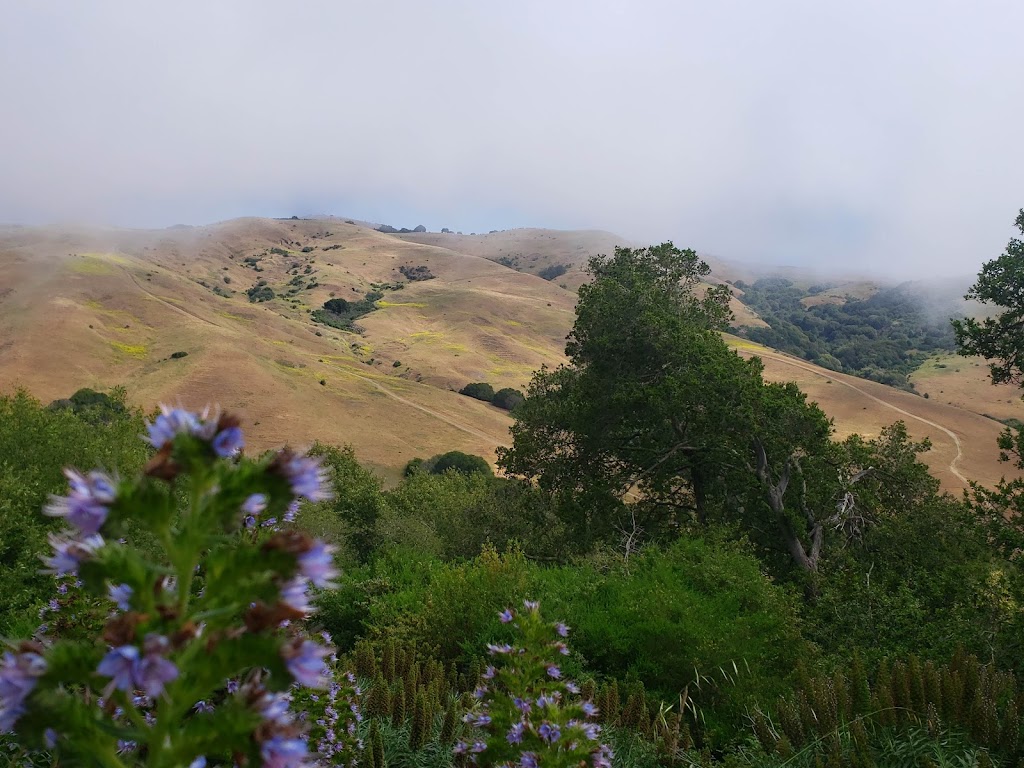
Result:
[36,443]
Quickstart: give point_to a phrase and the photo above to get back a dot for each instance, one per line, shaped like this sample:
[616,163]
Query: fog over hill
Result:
[872,135]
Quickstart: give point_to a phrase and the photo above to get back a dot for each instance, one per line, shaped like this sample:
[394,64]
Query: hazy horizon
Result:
[879,138]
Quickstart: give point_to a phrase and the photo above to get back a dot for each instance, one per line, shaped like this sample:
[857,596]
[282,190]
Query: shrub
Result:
[464,463]
[178,355]
[415,274]
[508,398]
[553,271]
[338,306]
[480,391]
[260,293]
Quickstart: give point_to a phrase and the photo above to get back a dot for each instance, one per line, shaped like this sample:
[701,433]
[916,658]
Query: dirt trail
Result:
[429,411]
[797,364]
[170,305]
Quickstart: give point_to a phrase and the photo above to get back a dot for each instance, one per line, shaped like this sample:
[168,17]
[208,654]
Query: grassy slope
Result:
[98,308]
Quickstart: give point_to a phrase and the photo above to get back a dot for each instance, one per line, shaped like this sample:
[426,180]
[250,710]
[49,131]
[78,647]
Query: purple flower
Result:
[589,709]
[489,673]
[515,733]
[305,662]
[255,504]
[478,747]
[283,752]
[121,595]
[549,732]
[528,760]
[523,705]
[495,649]
[199,762]
[228,442]
[602,757]
[554,672]
[87,505]
[506,616]
[317,564]
[172,422]
[249,521]
[273,707]
[571,687]
[543,701]
[18,675]
[202,706]
[128,669]
[561,629]
[562,648]
[50,738]
[291,512]
[531,605]
[120,665]
[481,720]
[294,595]
[460,748]
[69,553]
[306,476]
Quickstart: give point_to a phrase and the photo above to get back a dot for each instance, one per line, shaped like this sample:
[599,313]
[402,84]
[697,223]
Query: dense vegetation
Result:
[740,587]
[883,337]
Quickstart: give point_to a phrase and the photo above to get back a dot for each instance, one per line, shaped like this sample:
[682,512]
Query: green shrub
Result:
[36,443]
[464,463]
[667,616]
[553,271]
[260,293]
[508,398]
[480,391]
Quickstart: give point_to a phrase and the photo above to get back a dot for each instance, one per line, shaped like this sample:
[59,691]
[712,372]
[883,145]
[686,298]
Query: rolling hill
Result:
[167,313]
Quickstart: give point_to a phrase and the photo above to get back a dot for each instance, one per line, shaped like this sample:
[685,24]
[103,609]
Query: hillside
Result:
[560,255]
[89,307]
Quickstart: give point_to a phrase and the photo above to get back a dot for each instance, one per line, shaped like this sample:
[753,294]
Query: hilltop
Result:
[168,314]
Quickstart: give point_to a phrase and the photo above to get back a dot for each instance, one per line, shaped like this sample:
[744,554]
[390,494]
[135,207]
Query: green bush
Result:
[508,398]
[36,443]
[454,515]
[480,391]
[465,463]
[665,616]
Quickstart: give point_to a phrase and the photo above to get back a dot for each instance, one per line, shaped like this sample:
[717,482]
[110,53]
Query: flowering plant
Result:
[194,660]
[530,715]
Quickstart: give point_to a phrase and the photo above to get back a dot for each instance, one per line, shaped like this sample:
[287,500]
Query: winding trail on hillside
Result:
[168,304]
[797,364]
[429,411]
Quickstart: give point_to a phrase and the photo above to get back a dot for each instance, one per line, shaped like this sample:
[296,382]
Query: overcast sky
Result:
[856,134]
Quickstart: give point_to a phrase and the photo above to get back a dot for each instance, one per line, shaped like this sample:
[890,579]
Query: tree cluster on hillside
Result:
[883,337]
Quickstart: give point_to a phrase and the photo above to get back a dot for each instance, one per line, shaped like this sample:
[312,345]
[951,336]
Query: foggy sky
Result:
[863,134]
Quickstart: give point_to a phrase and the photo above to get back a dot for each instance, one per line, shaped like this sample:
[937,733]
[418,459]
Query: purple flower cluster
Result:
[148,670]
[337,740]
[282,744]
[305,475]
[18,675]
[87,505]
[524,703]
[223,434]
[305,661]
[86,508]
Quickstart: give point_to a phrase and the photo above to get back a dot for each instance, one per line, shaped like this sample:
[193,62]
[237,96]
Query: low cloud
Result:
[876,135]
